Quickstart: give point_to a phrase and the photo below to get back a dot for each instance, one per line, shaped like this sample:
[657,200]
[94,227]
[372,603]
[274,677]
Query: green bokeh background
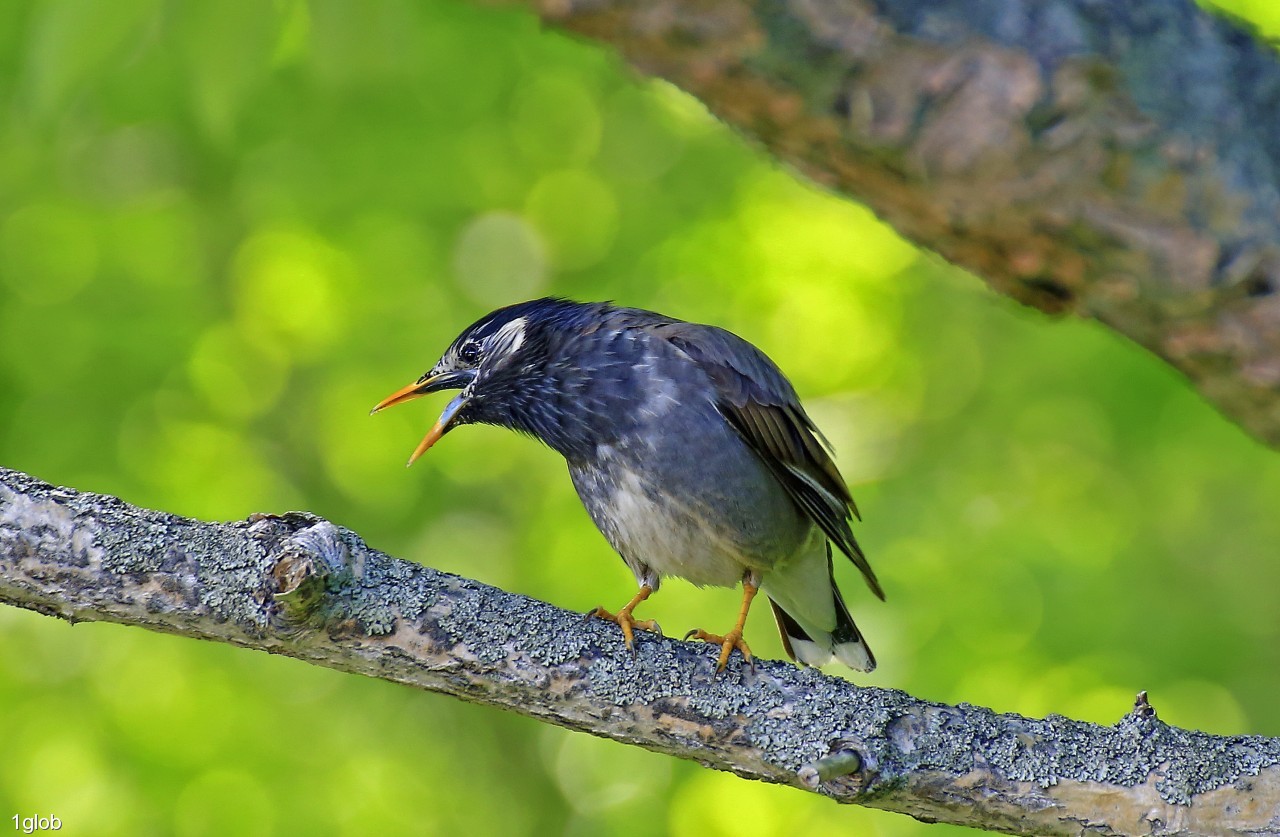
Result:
[227,229]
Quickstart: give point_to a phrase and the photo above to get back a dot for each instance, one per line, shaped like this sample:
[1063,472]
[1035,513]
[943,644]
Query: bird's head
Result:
[493,362]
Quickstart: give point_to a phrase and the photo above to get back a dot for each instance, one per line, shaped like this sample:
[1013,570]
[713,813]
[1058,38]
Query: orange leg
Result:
[733,639]
[624,620]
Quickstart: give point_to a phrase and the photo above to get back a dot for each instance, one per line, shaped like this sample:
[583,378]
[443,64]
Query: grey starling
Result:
[689,449]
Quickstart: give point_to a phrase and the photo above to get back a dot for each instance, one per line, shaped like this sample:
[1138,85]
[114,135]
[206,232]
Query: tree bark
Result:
[1114,160]
[301,586]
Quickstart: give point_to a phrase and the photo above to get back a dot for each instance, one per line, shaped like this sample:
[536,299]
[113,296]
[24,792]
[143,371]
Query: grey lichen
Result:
[299,585]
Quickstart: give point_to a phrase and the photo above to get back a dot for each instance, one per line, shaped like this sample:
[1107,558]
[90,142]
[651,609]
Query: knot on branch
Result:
[312,563]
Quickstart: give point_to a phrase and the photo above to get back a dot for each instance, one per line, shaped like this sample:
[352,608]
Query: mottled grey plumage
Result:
[688,447]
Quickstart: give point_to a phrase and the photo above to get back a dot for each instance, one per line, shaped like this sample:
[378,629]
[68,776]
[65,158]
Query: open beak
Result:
[423,386]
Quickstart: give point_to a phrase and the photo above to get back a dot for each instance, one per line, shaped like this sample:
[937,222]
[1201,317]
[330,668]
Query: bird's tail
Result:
[815,648]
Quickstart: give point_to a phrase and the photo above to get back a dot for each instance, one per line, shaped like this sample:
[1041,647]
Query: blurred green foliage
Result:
[227,229]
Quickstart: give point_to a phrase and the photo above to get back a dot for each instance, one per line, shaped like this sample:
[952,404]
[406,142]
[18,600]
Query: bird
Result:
[689,449]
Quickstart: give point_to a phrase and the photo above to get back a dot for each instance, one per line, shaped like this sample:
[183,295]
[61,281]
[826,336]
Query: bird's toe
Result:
[624,620]
[650,625]
[727,643]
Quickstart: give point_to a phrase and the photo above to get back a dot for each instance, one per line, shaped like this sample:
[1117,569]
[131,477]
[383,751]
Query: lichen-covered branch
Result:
[1116,160]
[298,585]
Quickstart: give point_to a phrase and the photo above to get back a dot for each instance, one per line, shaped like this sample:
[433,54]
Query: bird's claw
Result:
[727,643]
[624,620]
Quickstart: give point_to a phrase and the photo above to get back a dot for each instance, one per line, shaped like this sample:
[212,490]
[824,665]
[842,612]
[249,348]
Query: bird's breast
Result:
[686,497]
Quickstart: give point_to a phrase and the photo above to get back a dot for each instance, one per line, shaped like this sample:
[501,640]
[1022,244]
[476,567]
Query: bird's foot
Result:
[624,620]
[727,643]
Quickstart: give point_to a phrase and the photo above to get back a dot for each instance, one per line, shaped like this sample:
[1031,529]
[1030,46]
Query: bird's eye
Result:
[469,353]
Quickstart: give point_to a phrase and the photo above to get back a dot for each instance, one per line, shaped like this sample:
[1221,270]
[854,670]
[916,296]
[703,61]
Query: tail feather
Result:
[796,640]
[811,614]
[816,648]
[847,642]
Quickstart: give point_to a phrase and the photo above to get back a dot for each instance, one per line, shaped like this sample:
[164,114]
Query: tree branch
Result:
[1116,160]
[298,585]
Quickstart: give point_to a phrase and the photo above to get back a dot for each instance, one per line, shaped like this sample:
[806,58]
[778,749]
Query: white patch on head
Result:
[507,340]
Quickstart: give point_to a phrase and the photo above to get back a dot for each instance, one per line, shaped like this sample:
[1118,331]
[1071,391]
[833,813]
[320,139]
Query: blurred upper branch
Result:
[1116,160]
[300,586]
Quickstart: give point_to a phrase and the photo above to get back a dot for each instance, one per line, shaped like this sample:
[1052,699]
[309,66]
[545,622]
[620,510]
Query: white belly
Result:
[710,536]
[673,538]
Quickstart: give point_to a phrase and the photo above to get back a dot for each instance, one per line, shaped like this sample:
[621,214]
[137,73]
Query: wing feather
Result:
[760,404]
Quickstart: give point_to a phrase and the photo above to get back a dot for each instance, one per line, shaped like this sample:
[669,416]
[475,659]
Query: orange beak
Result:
[423,386]
[414,390]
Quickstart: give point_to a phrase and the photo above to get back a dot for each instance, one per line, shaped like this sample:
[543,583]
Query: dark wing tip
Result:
[849,546]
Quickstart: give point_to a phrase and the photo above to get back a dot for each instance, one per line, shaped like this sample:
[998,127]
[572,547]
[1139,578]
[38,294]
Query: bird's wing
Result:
[760,404]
